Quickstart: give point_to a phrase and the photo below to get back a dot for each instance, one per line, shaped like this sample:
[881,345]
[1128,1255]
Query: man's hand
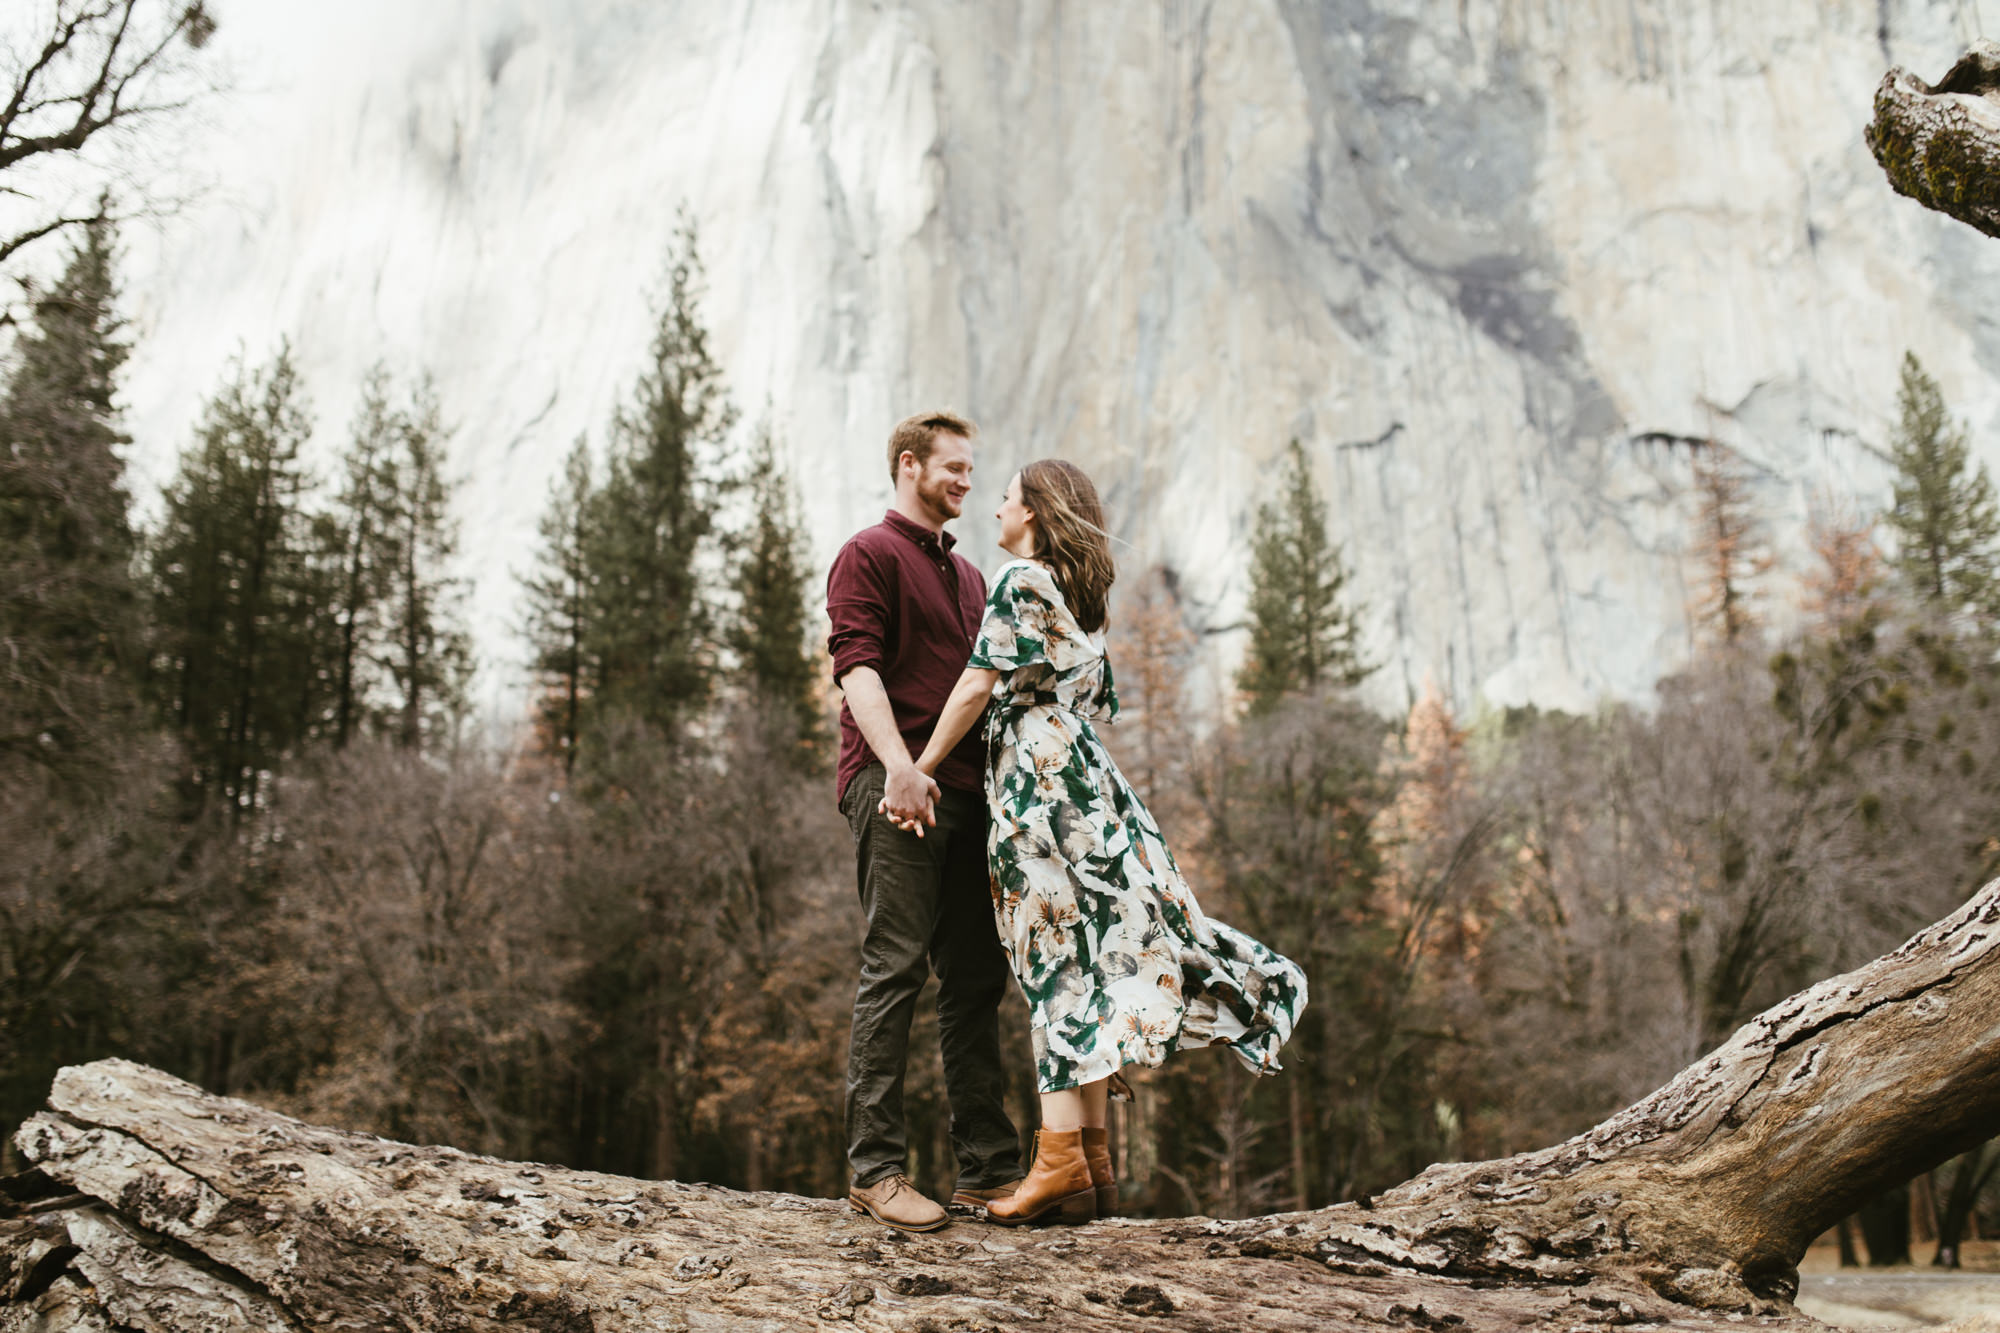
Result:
[909,798]
[908,794]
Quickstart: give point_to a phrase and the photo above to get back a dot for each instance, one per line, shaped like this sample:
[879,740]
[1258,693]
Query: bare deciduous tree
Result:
[79,78]
[422,963]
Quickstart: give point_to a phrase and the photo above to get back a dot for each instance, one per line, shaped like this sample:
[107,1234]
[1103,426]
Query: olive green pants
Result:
[928,908]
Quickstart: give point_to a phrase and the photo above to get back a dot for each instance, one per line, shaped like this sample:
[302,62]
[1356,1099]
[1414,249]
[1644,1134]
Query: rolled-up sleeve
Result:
[857,604]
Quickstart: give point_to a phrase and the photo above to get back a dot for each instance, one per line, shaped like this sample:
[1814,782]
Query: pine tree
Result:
[1729,543]
[359,522]
[773,569]
[621,608]
[69,651]
[1943,515]
[426,650]
[235,588]
[559,607]
[1302,635]
[652,627]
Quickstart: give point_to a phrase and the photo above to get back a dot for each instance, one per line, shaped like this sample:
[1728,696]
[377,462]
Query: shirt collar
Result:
[918,533]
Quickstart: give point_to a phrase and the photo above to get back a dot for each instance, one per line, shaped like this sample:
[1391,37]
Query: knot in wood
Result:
[1930,1006]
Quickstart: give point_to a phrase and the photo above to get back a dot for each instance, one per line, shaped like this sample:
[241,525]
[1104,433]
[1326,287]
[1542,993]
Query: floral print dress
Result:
[1117,961]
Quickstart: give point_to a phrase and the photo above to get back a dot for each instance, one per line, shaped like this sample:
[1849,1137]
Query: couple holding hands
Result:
[993,831]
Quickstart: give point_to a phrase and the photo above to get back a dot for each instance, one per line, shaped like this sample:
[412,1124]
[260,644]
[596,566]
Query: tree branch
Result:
[1940,144]
[33,234]
[101,66]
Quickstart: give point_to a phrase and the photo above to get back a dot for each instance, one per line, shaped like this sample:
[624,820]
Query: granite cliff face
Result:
[1488,259]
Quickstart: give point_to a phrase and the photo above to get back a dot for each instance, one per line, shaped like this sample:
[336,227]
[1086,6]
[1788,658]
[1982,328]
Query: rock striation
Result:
[1500,264]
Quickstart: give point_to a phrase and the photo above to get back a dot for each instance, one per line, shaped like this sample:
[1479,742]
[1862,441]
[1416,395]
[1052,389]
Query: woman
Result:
[1117,961]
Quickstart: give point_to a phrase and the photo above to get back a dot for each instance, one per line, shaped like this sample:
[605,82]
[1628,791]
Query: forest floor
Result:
[1911,1297]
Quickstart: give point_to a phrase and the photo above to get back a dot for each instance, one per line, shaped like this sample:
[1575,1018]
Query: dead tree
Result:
[154,1205]
[88,72]
[1940,143]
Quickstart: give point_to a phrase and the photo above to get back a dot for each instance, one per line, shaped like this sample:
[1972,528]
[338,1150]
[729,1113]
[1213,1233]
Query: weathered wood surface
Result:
[158,1206]
[1940,143]
[244,1219]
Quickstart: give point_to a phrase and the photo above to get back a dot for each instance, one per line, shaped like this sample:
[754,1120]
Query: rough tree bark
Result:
[154,1205]
[1940,143]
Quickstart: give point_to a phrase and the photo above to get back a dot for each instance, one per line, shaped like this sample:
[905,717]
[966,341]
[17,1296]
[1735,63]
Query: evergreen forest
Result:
[253,837]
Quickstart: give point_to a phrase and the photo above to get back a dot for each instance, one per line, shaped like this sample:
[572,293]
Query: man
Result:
[905,610]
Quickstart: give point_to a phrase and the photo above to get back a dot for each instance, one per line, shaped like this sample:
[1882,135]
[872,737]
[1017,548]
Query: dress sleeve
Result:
[1016,628]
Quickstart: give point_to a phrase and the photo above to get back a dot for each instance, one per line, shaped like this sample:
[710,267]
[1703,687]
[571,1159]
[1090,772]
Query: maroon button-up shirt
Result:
[903,603]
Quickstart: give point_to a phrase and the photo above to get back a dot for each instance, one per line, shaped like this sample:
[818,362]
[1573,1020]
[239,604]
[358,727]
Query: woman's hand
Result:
[961,710]
[915,826]
[909,799]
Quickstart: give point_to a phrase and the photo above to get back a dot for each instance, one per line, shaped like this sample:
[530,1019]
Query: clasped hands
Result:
[909,799]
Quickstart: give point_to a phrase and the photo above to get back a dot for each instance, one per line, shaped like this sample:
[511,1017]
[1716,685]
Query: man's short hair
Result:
[916,435]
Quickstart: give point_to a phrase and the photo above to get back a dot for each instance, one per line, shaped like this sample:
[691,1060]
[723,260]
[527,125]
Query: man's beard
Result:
[936,497]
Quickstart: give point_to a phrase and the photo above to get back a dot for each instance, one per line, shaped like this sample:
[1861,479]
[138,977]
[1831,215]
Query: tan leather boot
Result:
[1058,1187]
[1097,1152]
[894,1202]
[981,1198]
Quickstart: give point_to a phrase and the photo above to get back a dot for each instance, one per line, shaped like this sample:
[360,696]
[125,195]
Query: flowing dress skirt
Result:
[1118,962]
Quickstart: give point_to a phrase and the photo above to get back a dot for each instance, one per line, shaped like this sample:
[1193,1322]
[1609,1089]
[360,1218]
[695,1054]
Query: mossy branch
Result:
[1940,144]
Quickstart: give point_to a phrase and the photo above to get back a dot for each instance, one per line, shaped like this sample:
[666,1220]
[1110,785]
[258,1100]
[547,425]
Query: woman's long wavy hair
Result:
[1072,542]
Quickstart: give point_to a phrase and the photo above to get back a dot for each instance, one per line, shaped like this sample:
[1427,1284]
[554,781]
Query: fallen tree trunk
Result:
[1940,143]
[154,1205]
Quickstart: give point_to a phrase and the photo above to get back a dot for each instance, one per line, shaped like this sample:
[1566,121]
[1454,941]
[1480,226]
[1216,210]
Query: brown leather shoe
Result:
[1058,1187]
[1097,1152]
[980,1198]
[894,1202]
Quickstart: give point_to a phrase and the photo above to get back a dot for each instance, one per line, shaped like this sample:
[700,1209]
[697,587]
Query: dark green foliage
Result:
[1944,515]
[69,650]
[559,609]
[652,632]
[359,575]
[1302,635]
[240,596]
[622,609]
[769,636]
[280,624]
[399,653]
[424,649]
